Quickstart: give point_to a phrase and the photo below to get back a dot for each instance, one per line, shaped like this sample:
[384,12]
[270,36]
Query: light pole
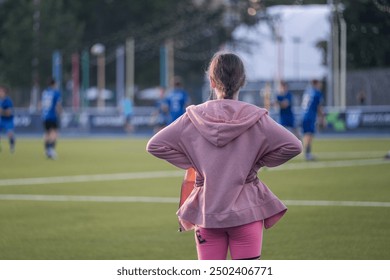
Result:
[35,51]
[99,51]
[296,41]
[343,59]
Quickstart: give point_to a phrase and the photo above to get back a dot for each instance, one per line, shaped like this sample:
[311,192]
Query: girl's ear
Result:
[212,82]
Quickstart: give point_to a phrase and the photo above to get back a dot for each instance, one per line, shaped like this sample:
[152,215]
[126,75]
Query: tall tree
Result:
[198,28]
[368,30]
[59,30]
[32,31]
[368,33]
[16,42]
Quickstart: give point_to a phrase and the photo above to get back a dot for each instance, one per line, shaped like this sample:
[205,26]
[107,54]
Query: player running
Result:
[177,100]
[312,106]
[51,110]
[286,114]
[7,117]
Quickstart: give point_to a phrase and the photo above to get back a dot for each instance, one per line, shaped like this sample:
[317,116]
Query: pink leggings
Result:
[244,242]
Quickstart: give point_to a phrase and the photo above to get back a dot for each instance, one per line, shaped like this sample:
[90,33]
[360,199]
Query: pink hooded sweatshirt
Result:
[226,142]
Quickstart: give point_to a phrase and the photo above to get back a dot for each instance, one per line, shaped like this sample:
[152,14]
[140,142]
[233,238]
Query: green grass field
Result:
[82,216]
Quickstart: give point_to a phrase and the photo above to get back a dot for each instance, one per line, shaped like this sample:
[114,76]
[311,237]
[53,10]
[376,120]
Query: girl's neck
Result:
[220,96]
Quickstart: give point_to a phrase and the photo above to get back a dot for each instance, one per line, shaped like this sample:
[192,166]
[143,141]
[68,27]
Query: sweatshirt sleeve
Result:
[166,145]
[281,145]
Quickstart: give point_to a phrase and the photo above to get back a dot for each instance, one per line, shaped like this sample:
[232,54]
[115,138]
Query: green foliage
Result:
[197,30]
[59,30]
[69,26]
[368,32]
[16,42]
[55,29]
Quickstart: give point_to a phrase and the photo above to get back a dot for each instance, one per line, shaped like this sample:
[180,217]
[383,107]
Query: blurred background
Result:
[102,51]
[106,198]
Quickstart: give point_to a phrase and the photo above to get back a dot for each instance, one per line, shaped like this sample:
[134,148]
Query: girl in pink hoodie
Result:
[226,142]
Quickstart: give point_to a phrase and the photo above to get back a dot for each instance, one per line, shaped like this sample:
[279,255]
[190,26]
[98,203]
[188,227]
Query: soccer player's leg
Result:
[1,129]
[48,143]
[9,128]
[308,127]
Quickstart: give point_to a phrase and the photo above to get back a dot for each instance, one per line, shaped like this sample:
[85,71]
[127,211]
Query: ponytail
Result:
[227,70]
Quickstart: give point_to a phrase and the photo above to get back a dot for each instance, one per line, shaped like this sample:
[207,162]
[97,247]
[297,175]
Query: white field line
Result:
[329,164]
[91,178]
[351,154]
[147,199]
[336,203]
[76,198]
[178,173]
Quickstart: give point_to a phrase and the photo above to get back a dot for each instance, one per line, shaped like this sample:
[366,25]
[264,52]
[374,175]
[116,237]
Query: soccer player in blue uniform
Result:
[7,117]
[51,110]
[177,100]
[312,106]
[127,111]
[286,114]
[161,115]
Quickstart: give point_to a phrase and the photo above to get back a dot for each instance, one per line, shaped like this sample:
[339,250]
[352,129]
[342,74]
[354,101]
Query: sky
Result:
[308,23]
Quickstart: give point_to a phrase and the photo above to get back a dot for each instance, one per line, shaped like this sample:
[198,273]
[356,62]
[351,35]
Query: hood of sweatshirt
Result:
[221,121]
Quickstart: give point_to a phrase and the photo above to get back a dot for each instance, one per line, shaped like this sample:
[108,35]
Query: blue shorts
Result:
[50,125]
[308,126]
[7,126]
[287,123]
[287,120]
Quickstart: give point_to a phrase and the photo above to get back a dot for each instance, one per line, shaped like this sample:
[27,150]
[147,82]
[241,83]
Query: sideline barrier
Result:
[351,119]
[92,121]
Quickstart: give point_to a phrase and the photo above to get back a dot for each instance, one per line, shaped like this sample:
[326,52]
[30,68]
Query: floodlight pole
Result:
[337,53]
[343,61]
[99,51]
[296,41]
[85,77]
[101,80]
[35,59]
[171,61]
[76,82]
[130,68]
[120,74]
[329,93]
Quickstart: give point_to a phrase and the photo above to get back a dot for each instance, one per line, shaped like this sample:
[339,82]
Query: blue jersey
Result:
[311,100]
[6,104]
[163,116]
[127,107]
[286,113]
[50,99]
[176,101]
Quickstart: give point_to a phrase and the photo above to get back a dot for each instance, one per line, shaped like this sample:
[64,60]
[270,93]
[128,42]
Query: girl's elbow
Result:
[151,147]
[298,147]
[293,149]
[158,150]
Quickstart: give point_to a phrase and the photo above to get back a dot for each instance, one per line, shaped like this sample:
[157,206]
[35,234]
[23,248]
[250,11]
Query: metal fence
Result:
[368,87]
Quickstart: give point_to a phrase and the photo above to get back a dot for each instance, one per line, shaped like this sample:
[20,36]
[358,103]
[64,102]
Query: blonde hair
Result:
[228,72]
